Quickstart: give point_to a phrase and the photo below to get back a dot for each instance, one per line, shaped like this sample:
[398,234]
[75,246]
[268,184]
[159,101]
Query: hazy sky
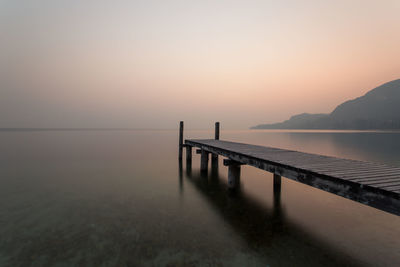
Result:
[149,64]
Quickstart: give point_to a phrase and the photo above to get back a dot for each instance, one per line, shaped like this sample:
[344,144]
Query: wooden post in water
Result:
[180,139]
[233,173]
[233,176]
[277,184]
[204,161]
[217,130]
[180,176]
[188,155]
[277,191]
[214,157]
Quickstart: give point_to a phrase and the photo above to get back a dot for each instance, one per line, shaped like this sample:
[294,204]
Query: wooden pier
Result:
[373,184]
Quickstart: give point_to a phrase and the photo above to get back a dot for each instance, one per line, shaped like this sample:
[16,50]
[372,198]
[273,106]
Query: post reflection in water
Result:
[265,230]
[277,194]
[188,166]
[214,165]
[181,175]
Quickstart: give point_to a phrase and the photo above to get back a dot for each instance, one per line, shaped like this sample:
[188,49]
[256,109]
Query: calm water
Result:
[120,198]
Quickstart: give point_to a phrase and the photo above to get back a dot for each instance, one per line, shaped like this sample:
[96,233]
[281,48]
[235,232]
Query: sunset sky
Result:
[149,64]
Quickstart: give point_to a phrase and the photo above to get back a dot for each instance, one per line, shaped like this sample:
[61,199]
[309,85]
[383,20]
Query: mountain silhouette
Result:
[377,109]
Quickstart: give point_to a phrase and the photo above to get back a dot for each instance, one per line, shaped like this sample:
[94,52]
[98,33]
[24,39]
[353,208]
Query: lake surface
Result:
[121,198]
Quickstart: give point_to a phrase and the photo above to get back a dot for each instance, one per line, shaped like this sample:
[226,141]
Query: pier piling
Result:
[188,155]
[180,139]
[216,131]
[277,190]
[204,161]
[277,184]
[233,173]
[233,176]
[214,157]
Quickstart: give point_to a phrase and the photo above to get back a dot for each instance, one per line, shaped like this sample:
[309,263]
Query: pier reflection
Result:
[214,165]
[266,230]
[255,223]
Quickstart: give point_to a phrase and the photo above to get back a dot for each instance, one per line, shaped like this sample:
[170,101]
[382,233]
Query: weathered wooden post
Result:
[233,176]
[180,170]
[214,165]
[180,139]
[277,184]
[189,169]
[188,154]
[277,193]
[204,161]
[217,130]
[214,157]
[233,173]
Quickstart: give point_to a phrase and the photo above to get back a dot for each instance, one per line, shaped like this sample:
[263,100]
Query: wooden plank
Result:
[330,165]
[387,187]
[313,163]
[364,173]
[391,188]
[319,163]
[257,148]
[384,182]
[350,163]
[369,166]
[376,178]
[350,171]
[346,167]
[362,177]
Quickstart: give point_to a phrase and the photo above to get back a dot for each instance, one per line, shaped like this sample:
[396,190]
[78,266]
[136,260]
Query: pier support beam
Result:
[214,165]
[180,139]
[233,176]
[188,155]
[277,184]
[188,160]
[277,193]
[204,161]
[233,173]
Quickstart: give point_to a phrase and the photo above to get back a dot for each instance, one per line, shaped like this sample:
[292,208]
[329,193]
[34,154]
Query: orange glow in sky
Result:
[149,64]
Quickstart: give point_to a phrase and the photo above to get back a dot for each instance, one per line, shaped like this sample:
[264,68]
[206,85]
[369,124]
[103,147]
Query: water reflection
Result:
[181,174]
[214,165]
[266,231]
[277,195]
[103,198]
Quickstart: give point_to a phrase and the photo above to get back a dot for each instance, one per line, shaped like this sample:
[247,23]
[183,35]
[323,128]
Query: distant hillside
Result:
[301,121]
[377,109]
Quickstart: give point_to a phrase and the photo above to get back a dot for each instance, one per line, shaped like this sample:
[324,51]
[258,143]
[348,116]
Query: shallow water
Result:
[121,198]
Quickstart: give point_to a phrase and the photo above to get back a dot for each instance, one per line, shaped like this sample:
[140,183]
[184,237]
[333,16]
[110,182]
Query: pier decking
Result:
[373,184]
